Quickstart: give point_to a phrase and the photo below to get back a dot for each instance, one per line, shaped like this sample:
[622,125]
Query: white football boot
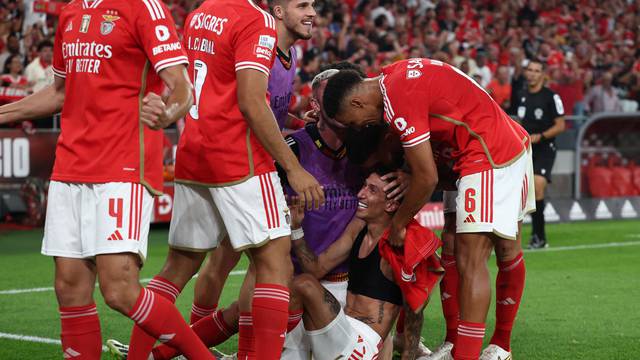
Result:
[495,352]
[442,352]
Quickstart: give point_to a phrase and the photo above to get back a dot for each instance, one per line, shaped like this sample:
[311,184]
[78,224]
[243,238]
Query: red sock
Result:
[294,319]
[400,323]
[141,343]
[200,311]
[80,333]
[246,348]
[449,296]
[212,330]
[270,312]
[509,288]
[159,317]
[469,341]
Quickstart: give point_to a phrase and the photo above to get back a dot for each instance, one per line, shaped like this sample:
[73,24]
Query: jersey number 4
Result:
[200,73]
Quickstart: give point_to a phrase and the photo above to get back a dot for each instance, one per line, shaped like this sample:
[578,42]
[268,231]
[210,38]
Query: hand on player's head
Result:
[397,184]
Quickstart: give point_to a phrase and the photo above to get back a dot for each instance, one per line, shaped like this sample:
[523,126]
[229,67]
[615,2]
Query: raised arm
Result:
[252,87]
[424,178]
[44,103]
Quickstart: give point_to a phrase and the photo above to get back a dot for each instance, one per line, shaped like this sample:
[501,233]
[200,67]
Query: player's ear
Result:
[391,206]
[315,105]
[278,12]
[356,102]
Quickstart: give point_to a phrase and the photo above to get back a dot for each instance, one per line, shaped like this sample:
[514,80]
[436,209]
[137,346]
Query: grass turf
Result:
[578,303]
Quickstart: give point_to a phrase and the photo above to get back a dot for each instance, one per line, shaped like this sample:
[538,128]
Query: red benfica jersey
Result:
[426,99]
[110,52]
[217,146]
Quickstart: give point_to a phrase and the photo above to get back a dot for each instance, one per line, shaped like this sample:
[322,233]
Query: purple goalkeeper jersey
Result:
[341,181]
[283,74]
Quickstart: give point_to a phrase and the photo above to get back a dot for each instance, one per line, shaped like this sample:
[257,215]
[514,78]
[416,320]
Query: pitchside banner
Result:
[24,157]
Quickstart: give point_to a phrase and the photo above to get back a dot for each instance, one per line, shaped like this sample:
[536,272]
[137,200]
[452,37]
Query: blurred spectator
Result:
[39,72]
[12,74]
[603,97]
[12,47]
[483,70]
[500,88]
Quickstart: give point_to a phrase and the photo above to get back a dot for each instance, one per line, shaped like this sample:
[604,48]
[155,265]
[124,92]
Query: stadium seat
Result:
[600,181]
[622,177]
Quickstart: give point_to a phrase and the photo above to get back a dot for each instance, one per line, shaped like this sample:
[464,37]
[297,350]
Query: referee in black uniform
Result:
[541,113]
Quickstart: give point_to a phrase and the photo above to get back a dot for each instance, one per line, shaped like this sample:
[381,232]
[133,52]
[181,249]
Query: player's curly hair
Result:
[338,88]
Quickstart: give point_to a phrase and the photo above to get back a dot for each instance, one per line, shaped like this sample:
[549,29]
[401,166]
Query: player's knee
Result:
[72,293]
[507,250]
[304,286]
[120,296]
[181,265]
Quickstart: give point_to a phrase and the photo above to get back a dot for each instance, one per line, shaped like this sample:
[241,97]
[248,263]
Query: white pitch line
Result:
[583,247]
[42,289]
[242,272]
[35,339]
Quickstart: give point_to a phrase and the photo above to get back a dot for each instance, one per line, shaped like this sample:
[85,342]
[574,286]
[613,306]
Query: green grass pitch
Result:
[581,299]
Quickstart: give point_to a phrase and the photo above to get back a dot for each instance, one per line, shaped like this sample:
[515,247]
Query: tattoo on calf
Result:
[334,305]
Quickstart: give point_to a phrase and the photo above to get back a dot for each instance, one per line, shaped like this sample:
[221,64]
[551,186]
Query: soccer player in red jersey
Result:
[226,183]
[111,60]
[423,99]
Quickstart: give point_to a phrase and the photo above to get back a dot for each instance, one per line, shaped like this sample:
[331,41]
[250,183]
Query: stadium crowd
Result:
[592,48]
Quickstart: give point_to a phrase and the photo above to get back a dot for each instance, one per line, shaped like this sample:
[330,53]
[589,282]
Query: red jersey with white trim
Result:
[427,99]
[110,52]
[221,38]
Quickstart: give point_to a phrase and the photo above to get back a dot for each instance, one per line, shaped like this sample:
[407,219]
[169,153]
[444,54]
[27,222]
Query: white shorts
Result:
[84,220]
[296,344]
[496,200]
[251,213]
[343,338]
[338,290]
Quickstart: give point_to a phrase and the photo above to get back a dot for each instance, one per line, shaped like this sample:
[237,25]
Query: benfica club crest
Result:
[106,27]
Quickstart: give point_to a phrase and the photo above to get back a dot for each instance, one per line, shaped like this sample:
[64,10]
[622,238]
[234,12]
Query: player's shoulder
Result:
[245,12]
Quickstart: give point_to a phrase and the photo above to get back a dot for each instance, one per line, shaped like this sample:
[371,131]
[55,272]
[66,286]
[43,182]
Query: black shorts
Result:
[544,155]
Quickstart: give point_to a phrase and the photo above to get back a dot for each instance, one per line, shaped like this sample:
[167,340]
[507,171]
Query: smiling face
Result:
[372,200]
[298,16]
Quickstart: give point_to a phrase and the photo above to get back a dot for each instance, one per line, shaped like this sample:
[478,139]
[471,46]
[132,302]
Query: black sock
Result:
[537,220]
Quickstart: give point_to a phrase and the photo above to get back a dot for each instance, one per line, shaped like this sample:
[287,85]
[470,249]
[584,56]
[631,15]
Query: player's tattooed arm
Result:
[320,265]
[412,327]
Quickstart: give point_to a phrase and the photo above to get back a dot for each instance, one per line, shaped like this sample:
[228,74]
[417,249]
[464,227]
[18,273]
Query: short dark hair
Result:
[338,87]
[538,61]
[344,65]
[43,44]
[361,144]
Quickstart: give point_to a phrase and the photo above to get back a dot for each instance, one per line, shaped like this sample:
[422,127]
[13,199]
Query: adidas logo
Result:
[469,219]
[115,236]
[445,296]
[507,301]
[70,353]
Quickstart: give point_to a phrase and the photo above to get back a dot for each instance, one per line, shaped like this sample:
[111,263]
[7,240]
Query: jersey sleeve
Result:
[408,117]
[58,66]
[254,45]
[156,33]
